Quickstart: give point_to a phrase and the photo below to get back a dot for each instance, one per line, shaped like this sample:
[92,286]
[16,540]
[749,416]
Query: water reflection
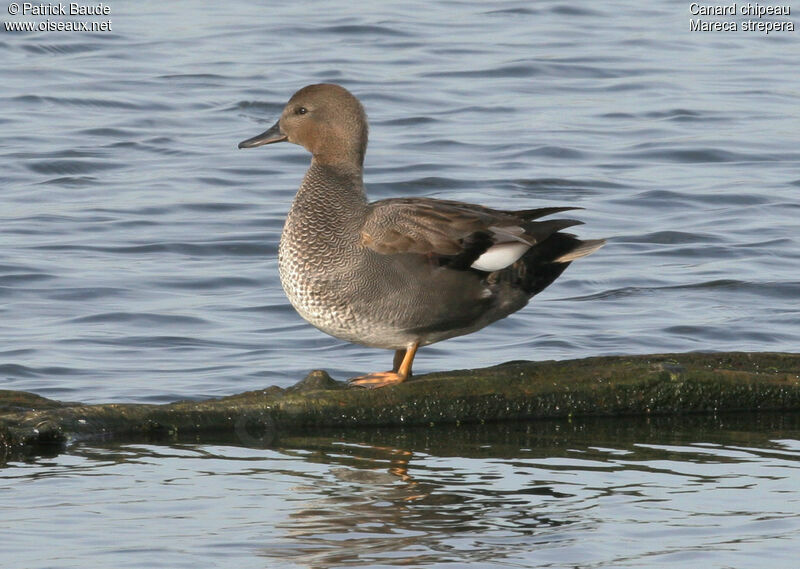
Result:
[650,492]
[500,491]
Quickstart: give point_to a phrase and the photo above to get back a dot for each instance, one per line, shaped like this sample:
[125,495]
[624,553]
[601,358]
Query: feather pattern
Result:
[459,235]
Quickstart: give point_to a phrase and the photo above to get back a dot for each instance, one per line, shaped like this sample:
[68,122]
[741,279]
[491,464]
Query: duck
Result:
[404,272]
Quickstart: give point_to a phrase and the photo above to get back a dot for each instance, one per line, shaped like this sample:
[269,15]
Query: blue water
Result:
[137,244]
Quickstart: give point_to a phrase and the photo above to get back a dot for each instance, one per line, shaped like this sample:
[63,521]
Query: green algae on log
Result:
[610,386]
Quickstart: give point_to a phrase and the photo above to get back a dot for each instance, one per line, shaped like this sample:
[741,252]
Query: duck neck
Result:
[336,189]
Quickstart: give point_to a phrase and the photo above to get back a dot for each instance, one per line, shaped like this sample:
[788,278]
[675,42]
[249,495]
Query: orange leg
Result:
[400,372]
[399,356]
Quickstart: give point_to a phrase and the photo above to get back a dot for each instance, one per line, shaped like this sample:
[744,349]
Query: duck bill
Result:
[271,135]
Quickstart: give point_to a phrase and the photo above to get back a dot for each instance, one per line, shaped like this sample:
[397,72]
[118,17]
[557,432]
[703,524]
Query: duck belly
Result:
[388,301]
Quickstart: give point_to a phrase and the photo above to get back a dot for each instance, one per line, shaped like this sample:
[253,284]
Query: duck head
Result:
[326,119]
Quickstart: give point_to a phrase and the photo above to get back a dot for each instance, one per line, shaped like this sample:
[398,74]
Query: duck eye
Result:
[301,111]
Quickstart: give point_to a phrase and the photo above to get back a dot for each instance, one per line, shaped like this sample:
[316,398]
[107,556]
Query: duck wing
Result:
[459,235]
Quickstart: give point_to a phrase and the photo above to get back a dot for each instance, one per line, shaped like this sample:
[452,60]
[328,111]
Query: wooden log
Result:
[601,386]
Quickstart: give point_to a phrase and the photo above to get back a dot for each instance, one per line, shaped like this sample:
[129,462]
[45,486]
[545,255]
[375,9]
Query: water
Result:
[137,244]
[654,493]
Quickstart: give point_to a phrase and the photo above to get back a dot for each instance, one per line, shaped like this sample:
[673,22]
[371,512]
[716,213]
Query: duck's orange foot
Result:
[377,379]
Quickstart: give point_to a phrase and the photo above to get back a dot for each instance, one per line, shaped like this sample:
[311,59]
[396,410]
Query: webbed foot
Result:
[377,379]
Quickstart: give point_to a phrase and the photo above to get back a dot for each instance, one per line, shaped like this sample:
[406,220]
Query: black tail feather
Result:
[540,265]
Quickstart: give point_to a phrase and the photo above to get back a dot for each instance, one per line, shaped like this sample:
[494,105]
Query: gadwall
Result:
[400,273]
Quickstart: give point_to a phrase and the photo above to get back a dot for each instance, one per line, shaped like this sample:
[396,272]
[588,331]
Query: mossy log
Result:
[609,386]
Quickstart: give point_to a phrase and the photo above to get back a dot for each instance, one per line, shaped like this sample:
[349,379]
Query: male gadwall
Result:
[400,273]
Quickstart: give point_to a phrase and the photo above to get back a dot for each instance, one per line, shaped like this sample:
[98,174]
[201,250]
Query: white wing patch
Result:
[500,255]
[509,246]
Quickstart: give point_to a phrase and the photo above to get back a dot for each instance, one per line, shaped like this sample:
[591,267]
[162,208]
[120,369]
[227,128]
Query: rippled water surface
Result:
[137,263]
[605,493]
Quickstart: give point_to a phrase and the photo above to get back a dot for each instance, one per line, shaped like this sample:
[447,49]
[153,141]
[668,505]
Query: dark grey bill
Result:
[271,135]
